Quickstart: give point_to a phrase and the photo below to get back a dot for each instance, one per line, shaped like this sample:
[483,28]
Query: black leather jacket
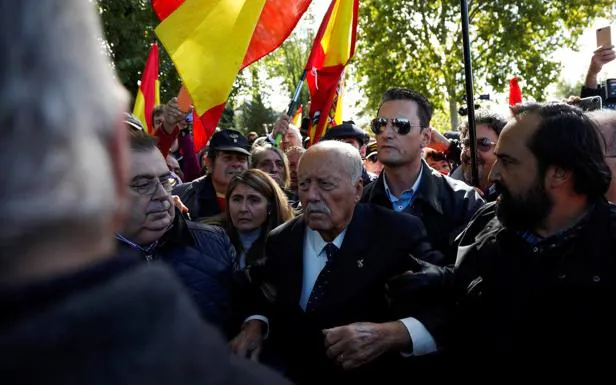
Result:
[525,298]
[444,204]
[200,198]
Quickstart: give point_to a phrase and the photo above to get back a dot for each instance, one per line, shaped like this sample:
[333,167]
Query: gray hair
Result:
[295,131]
[606,121]
[59,107]
[350,157]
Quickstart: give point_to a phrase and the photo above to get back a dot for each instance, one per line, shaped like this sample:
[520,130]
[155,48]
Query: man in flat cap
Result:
[350,133]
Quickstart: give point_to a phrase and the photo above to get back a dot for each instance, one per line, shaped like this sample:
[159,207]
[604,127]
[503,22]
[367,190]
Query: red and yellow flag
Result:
[211,41]
[297,118]
[148,94]
[333,47]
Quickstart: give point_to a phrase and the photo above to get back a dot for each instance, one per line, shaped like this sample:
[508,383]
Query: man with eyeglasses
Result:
[488,126]
[407,183]
[200,255]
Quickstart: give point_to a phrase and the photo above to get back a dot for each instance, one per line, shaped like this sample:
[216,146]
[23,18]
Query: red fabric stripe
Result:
[164,8]
[148,85]
[205,125]
[278,19]
[322,99]
[355,21]
[316,55]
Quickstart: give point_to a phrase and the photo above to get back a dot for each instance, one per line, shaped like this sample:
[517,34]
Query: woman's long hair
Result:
[279,210]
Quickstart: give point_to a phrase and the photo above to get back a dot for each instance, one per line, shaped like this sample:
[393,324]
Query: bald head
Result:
[340,155]
[330,185]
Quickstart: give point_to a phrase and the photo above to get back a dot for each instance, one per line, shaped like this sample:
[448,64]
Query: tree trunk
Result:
[453,114]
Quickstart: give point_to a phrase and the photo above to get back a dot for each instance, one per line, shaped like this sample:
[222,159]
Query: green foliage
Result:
[253,114]
[565,89]
[418,44]
[129,30]
[289,60]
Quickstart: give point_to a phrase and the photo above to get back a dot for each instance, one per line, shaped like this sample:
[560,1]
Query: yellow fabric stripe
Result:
[207,41]
[336,42]
[139,109]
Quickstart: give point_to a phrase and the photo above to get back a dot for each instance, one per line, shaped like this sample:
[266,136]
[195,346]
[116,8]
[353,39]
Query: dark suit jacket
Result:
[376,247]
[445,206]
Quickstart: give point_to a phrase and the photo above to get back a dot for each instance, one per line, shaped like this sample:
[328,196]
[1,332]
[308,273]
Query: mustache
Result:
[318,207]
[500,189]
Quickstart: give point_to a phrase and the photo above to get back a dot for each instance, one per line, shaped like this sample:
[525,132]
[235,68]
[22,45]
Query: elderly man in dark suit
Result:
[326,275]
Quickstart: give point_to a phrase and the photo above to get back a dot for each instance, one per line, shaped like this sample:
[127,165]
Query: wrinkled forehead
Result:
[149,163]
[321,164]
[271,155]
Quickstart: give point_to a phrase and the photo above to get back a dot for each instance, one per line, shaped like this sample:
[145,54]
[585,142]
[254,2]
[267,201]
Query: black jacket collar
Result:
[428,190]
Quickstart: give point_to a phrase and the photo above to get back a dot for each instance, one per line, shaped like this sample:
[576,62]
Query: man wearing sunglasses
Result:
[200,255]
[407,183]
[488,126]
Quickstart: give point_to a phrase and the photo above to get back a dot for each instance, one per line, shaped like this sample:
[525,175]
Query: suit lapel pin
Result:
[360,263]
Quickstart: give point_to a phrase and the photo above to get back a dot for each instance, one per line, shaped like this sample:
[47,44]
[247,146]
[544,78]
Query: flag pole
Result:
[298,90]
[470,100]
[293,103]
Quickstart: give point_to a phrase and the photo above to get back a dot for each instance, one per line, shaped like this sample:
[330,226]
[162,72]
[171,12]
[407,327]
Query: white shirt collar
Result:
[317,243]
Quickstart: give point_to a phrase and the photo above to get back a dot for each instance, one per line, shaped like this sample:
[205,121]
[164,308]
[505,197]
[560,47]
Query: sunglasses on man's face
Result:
[483,144]
[400,126]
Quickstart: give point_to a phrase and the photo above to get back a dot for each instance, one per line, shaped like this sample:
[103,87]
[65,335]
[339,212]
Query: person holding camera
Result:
[601,56]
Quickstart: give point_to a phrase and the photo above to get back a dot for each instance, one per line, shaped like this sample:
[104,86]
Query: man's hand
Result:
[172,115]
[422,277]
[357,344]
[438,141]
[179,204]
[248,343]
[281,126]
[601,57]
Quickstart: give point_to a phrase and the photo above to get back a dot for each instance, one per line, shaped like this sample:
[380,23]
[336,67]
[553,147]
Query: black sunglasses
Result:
[400,126]
[483,144]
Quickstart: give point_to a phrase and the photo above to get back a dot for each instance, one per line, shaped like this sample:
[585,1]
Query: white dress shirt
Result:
[314,260]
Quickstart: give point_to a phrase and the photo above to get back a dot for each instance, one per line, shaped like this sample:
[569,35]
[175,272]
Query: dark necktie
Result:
[320,285]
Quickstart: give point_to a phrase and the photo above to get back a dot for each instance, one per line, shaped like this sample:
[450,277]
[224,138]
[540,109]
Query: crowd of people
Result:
[128,258]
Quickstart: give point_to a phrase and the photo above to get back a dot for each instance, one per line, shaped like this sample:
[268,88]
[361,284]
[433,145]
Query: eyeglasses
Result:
[372,158]
[400,126]
[148,186]
[483,144]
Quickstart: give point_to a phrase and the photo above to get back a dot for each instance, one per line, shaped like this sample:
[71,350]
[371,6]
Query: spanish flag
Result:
[333,47]
[211,41]
[297,118]
[148,94]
